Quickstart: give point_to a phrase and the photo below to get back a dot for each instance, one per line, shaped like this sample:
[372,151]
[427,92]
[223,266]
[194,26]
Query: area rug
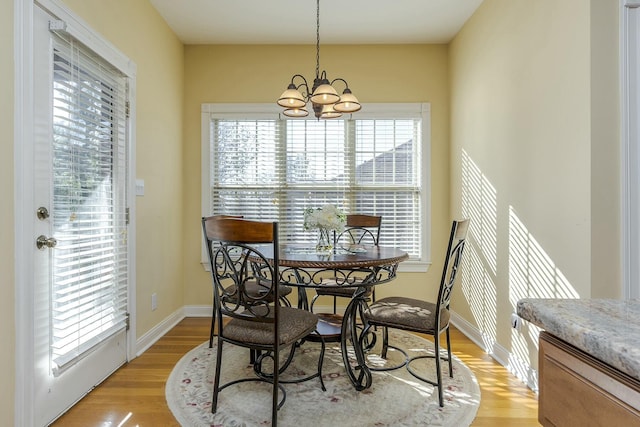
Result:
[396,398]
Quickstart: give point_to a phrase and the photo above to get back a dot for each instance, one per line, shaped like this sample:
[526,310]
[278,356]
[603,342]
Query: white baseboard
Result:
[198,310]
[158,331]
[468,330]
[522,370]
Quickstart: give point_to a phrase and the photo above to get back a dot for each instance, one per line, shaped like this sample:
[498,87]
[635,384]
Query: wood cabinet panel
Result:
[579,390]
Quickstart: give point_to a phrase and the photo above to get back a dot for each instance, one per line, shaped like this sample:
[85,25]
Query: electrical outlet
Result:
[154,301]
[516,322]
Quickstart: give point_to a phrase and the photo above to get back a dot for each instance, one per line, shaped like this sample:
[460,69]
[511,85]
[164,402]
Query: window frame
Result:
[630,147]
[369,111]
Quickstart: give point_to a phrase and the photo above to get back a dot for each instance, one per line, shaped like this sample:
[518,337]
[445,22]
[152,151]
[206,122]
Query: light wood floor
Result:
[134,395]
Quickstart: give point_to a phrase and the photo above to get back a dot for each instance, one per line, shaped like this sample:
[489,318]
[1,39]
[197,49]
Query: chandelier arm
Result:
[304,86]
[341,80]
[298,75]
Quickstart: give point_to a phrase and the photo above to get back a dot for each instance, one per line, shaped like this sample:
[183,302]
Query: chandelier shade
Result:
[326,102]
[325,94]
[348,103]
[291,98]
[328,112]
[296,112]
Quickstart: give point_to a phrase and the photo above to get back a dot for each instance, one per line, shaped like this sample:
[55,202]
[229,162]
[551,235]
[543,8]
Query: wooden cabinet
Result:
[579,390]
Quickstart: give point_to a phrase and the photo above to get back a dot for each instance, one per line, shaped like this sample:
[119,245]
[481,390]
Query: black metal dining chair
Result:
[361,230]
[431,318]
[253,288]
[257,319]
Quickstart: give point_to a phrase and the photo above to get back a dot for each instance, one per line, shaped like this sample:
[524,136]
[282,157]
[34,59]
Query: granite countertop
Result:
[607,329]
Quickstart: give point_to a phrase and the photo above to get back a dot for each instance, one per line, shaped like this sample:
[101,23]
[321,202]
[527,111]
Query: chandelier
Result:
[324,98]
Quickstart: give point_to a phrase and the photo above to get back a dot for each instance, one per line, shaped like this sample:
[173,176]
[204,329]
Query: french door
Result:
[80,217]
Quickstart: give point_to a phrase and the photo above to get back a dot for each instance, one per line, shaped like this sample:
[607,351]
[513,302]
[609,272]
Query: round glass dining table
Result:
[359,268]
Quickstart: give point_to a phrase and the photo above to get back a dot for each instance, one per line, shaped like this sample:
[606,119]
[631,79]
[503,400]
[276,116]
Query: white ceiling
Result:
[294,21]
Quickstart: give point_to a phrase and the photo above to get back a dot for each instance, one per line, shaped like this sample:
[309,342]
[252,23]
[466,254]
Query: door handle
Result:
[49,242]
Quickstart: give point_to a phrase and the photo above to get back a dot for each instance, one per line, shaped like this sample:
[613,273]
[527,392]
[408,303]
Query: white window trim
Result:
[369,111]
[630,150]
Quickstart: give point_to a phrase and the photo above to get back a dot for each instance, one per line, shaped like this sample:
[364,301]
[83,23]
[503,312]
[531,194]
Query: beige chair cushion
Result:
[406,313]
[294,325]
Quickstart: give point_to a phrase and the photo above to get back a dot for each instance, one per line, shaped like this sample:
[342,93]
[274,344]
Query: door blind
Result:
[89,274]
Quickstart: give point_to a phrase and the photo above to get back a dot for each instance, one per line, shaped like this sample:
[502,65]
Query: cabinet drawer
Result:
[579,390]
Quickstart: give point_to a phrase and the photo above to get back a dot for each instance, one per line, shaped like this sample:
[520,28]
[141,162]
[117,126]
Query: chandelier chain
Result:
[317,38]
[324,98]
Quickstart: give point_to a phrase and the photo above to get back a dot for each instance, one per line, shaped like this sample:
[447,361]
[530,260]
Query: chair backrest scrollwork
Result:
[238,267]
[457,241]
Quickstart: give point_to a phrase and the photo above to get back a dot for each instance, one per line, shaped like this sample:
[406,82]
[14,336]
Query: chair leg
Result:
[385,342]
[213,325]
[274,392]
[449,354]
[373,299]
[436,340]
[216,380]
[320,362]
[335,299]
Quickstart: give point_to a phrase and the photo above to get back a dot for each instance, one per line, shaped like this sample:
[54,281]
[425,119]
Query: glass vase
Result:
[325,243]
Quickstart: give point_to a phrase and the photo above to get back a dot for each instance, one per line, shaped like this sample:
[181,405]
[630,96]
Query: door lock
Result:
[49,242]
[42,213]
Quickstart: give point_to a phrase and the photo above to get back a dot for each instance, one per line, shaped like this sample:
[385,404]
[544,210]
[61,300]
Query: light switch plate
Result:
[139,187]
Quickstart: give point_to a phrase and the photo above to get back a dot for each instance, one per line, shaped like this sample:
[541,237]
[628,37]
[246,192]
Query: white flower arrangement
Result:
[327,217]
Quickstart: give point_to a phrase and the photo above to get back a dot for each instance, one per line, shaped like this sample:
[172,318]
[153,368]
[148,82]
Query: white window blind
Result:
[268,168]
[89,274]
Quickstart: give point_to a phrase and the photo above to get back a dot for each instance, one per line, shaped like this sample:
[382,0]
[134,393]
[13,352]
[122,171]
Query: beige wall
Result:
[534,158]
[416,73]
[606,255]
[7,312]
